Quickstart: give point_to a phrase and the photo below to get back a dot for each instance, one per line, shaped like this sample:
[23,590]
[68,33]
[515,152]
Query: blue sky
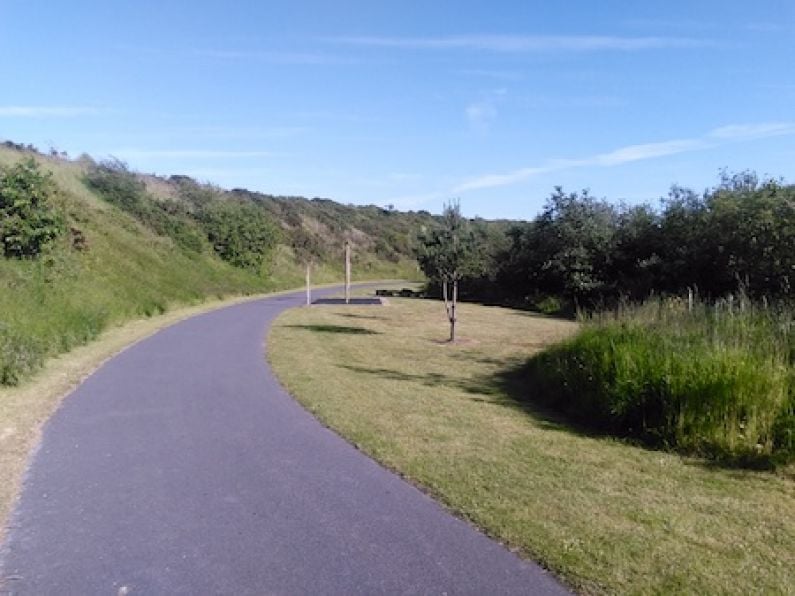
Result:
[410,103]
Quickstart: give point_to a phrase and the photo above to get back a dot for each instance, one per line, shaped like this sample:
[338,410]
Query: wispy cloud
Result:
[642,152]
[539,101]
[767,27]
[680,24]
[47,111]
[480,115]
[226,174]
[740,132]
[507,179]
[276,57]
[779,86]
[234,132]
[527,43]
[283,57]
[499,75]
[631,153]
[712,25]
[188,154]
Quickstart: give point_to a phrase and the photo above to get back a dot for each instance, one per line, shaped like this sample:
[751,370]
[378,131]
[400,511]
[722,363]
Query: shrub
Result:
[717,381]
[28,219]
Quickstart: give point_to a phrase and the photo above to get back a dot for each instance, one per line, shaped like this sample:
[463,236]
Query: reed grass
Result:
[711,379]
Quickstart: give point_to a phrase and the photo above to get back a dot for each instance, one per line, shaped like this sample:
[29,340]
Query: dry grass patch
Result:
[606,516]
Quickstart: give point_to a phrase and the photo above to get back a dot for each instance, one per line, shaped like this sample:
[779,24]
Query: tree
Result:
[446,253]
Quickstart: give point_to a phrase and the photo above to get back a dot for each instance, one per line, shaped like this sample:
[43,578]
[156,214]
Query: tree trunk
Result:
[308,284]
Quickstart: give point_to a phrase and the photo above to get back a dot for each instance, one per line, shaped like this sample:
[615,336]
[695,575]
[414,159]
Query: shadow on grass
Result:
[516,309]
[514,386]
[503,389]
[348,315]
[343,329]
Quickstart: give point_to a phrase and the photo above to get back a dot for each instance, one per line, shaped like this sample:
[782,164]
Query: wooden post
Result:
[308,283]
[347,272]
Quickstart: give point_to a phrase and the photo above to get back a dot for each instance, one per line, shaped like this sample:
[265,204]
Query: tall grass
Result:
[712,379]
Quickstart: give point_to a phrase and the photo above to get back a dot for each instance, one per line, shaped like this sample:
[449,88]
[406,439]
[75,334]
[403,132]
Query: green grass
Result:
[606,516]
[715,380]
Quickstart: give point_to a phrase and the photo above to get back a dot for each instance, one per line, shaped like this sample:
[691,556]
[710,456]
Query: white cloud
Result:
[527,43]
[480,115]
[46,111]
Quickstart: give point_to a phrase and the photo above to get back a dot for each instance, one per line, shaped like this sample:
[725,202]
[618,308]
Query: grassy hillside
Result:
[115,260]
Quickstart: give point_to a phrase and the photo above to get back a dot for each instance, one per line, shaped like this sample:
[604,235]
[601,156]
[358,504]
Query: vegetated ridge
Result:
[86,244]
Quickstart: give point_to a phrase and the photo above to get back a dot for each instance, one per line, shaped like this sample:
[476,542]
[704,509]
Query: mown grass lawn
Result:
[604,515]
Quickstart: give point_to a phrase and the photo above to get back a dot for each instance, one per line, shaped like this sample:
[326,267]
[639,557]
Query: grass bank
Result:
[606,516]
[110,265]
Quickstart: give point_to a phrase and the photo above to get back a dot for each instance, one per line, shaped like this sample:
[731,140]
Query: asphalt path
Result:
[181,466]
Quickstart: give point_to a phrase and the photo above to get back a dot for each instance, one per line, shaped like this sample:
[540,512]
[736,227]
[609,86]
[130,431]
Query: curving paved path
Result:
[182,467]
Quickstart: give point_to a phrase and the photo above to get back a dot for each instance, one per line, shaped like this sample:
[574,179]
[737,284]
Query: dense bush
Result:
[240,233]
[717,380]
[29,220]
